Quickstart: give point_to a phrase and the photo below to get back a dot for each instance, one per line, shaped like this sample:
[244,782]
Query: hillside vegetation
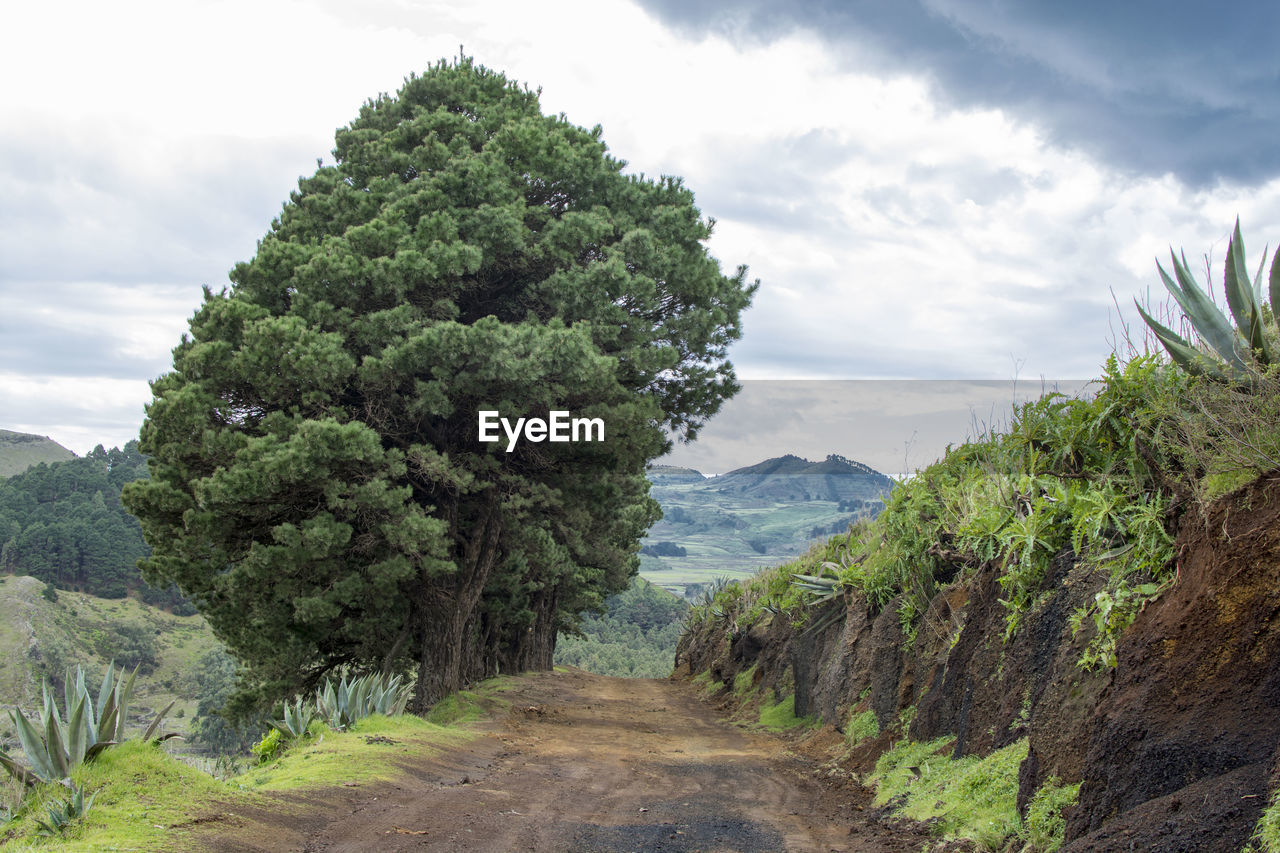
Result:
[635,637]
[734,524]
[1061,630]
[64,523]
[42,634]
[20,451]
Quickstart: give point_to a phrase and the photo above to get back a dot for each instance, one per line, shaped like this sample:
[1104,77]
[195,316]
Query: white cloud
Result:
[894,236]
[76,413]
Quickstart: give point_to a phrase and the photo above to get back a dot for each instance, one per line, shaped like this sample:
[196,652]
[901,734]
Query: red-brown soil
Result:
[589,764]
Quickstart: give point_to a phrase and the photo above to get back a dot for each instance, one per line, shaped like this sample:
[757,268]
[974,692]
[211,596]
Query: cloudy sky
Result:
[926,190]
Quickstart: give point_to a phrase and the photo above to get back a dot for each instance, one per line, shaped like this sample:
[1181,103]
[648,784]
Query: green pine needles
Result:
[317,486]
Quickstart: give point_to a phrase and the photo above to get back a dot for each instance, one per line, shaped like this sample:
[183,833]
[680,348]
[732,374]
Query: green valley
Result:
[751,518]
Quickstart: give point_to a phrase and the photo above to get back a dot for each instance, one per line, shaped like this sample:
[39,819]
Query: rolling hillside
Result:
[20,451]
[44,632]
[751,518]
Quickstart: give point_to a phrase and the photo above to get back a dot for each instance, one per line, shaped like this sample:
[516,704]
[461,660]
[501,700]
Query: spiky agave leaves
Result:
[350,701]
[64,812]
[92,724]
[823,589]
[297,719]
[1229,352]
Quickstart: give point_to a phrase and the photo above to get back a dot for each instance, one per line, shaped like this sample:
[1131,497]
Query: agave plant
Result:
[64,812]
[350,701]
[92,724]
[297,719]
[826,588]
[1228,352]
[823,588]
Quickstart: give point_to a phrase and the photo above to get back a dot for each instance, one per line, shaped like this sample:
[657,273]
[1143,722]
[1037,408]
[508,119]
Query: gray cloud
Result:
[91,202]
[91,329]
[1148,87]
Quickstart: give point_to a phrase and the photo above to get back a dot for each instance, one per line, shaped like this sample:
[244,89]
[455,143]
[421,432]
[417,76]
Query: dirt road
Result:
[591,764]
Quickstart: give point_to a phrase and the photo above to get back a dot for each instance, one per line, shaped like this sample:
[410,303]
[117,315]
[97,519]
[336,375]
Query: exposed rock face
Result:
[1176,748]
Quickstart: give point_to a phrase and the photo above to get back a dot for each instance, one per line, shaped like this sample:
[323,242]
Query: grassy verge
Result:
[145,799]
[970,797]
[782,716]
[1045,827]
[368,752]
[861,727]
[1266,837]
[467,706]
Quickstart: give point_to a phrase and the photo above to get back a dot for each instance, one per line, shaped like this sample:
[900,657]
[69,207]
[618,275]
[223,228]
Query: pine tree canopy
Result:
[317,483]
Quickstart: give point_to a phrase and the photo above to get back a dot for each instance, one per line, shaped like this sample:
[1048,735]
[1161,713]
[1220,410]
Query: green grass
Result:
[20,451]
[709,685]
[742,682]
[861,727]
[142,797]
[1045,827]
[971,797]
[1266,837]
[361,754]
[145,799]
[782,716]
[467,706]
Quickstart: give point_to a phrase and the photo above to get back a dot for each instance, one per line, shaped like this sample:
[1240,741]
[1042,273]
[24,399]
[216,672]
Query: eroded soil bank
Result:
[589,764]
[1175,748]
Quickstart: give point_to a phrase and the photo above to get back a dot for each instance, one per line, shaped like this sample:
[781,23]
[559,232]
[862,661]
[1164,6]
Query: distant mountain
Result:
[20,451]
[790,478]
[737,523]
[674,475]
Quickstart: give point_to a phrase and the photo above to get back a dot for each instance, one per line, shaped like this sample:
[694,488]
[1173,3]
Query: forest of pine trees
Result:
[64,524]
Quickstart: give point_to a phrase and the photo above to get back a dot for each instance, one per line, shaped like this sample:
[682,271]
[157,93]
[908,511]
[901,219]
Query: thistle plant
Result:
[1225,352]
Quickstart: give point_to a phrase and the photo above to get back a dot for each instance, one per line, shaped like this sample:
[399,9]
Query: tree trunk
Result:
[439,663]
[445,613]
[542,647]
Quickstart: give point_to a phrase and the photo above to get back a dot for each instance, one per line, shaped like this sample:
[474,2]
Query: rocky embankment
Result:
[1175,747]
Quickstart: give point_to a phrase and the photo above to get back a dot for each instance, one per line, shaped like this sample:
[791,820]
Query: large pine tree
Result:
[318,486]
